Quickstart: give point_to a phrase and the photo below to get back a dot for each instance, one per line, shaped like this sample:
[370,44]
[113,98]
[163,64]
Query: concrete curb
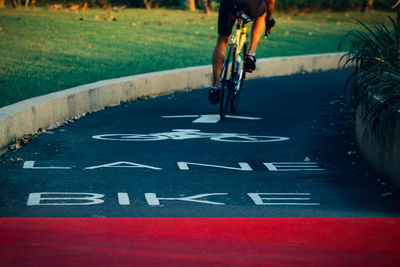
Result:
[28,116]
[381,149]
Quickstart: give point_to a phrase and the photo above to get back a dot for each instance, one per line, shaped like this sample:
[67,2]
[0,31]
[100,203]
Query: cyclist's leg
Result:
[226,20]
[218,57]
[257,31]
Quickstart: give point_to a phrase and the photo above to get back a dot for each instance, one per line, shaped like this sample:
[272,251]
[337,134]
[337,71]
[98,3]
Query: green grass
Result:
[46,51]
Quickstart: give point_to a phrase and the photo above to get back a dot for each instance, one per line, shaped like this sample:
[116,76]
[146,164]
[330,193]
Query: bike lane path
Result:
[295,192]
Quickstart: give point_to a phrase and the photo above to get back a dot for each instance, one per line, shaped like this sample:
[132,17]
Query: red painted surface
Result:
[199,242]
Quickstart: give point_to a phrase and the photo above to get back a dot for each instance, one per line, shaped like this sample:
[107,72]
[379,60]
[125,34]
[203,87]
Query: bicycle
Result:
[186,134]
[234,64]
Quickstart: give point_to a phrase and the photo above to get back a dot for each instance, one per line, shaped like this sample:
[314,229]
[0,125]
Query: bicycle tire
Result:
[244,138]
[241,76]
[130,137]
[224,96]
[231,81]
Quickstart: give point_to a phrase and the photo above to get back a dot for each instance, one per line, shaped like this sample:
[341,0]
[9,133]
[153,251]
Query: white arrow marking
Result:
[210,118]
[31,165]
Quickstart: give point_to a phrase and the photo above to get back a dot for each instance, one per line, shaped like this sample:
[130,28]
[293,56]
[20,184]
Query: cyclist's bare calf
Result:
[218,57]
[257,30]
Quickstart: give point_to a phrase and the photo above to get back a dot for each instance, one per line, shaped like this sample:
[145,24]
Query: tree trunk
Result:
[147,3]
[14,3]
[2,3]
[205,7]
[192,5]
[26,3]
[367,5]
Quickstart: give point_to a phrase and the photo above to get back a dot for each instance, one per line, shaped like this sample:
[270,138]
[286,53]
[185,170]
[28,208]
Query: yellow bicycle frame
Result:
[239,38]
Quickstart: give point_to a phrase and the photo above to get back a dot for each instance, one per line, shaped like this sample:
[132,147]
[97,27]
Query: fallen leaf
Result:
[18,145]
[73,7]
[133,24]
[307,159]
[100,18]
[55,7]
[160,22]
[19,159]
[89,46]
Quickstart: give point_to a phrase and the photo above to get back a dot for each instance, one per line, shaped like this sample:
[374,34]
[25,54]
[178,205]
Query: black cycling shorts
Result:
[228,9]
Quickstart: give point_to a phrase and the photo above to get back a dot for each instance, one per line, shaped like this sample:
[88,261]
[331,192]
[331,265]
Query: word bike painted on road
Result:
[186,134]
[152,199]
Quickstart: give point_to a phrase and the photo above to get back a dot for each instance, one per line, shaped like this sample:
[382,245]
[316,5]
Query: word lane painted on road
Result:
[152,199]
[185,166]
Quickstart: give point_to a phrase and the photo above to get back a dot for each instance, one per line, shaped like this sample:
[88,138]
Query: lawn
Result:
[44,51]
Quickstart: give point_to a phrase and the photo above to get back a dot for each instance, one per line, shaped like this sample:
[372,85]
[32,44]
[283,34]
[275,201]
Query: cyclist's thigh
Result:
[226,17]
[253,8]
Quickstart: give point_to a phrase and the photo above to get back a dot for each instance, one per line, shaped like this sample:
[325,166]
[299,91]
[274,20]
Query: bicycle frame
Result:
[239,38]
[241,33]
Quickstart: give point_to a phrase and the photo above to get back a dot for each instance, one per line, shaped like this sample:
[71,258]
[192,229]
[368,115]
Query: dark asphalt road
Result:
[195,173]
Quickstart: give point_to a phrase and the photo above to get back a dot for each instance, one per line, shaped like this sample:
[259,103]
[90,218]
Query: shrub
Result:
[377,71]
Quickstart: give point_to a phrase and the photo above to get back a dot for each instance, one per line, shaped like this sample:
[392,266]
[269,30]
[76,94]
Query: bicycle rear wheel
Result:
[238,76]
[225,94]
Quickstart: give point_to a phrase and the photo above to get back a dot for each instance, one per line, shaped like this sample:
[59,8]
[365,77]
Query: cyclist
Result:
[261,11]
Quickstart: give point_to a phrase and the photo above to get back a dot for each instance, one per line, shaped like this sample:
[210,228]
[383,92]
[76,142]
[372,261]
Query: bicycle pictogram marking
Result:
[185,134]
